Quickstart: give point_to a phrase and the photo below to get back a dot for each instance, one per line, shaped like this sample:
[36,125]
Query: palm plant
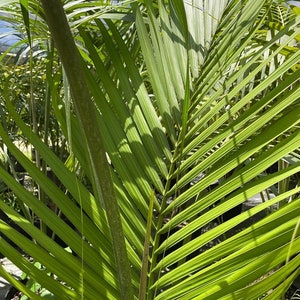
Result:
[178,109]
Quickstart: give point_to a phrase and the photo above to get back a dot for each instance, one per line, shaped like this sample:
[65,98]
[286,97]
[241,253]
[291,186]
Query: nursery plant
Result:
[175,114]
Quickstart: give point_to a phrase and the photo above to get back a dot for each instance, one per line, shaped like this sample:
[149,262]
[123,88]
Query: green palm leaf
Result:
[193,101]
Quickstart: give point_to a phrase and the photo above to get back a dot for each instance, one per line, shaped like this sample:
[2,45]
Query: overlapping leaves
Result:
[208,104]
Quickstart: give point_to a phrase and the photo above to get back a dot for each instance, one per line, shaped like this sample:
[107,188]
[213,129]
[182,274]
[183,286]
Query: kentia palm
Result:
[180,92]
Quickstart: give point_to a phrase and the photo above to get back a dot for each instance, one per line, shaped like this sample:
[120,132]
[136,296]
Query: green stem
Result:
[85,110]
[145,260]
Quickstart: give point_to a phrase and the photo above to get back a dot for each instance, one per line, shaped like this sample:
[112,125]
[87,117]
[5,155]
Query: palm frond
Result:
[194,102]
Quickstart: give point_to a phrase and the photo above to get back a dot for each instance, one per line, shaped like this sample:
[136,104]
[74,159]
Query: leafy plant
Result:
[177,111]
